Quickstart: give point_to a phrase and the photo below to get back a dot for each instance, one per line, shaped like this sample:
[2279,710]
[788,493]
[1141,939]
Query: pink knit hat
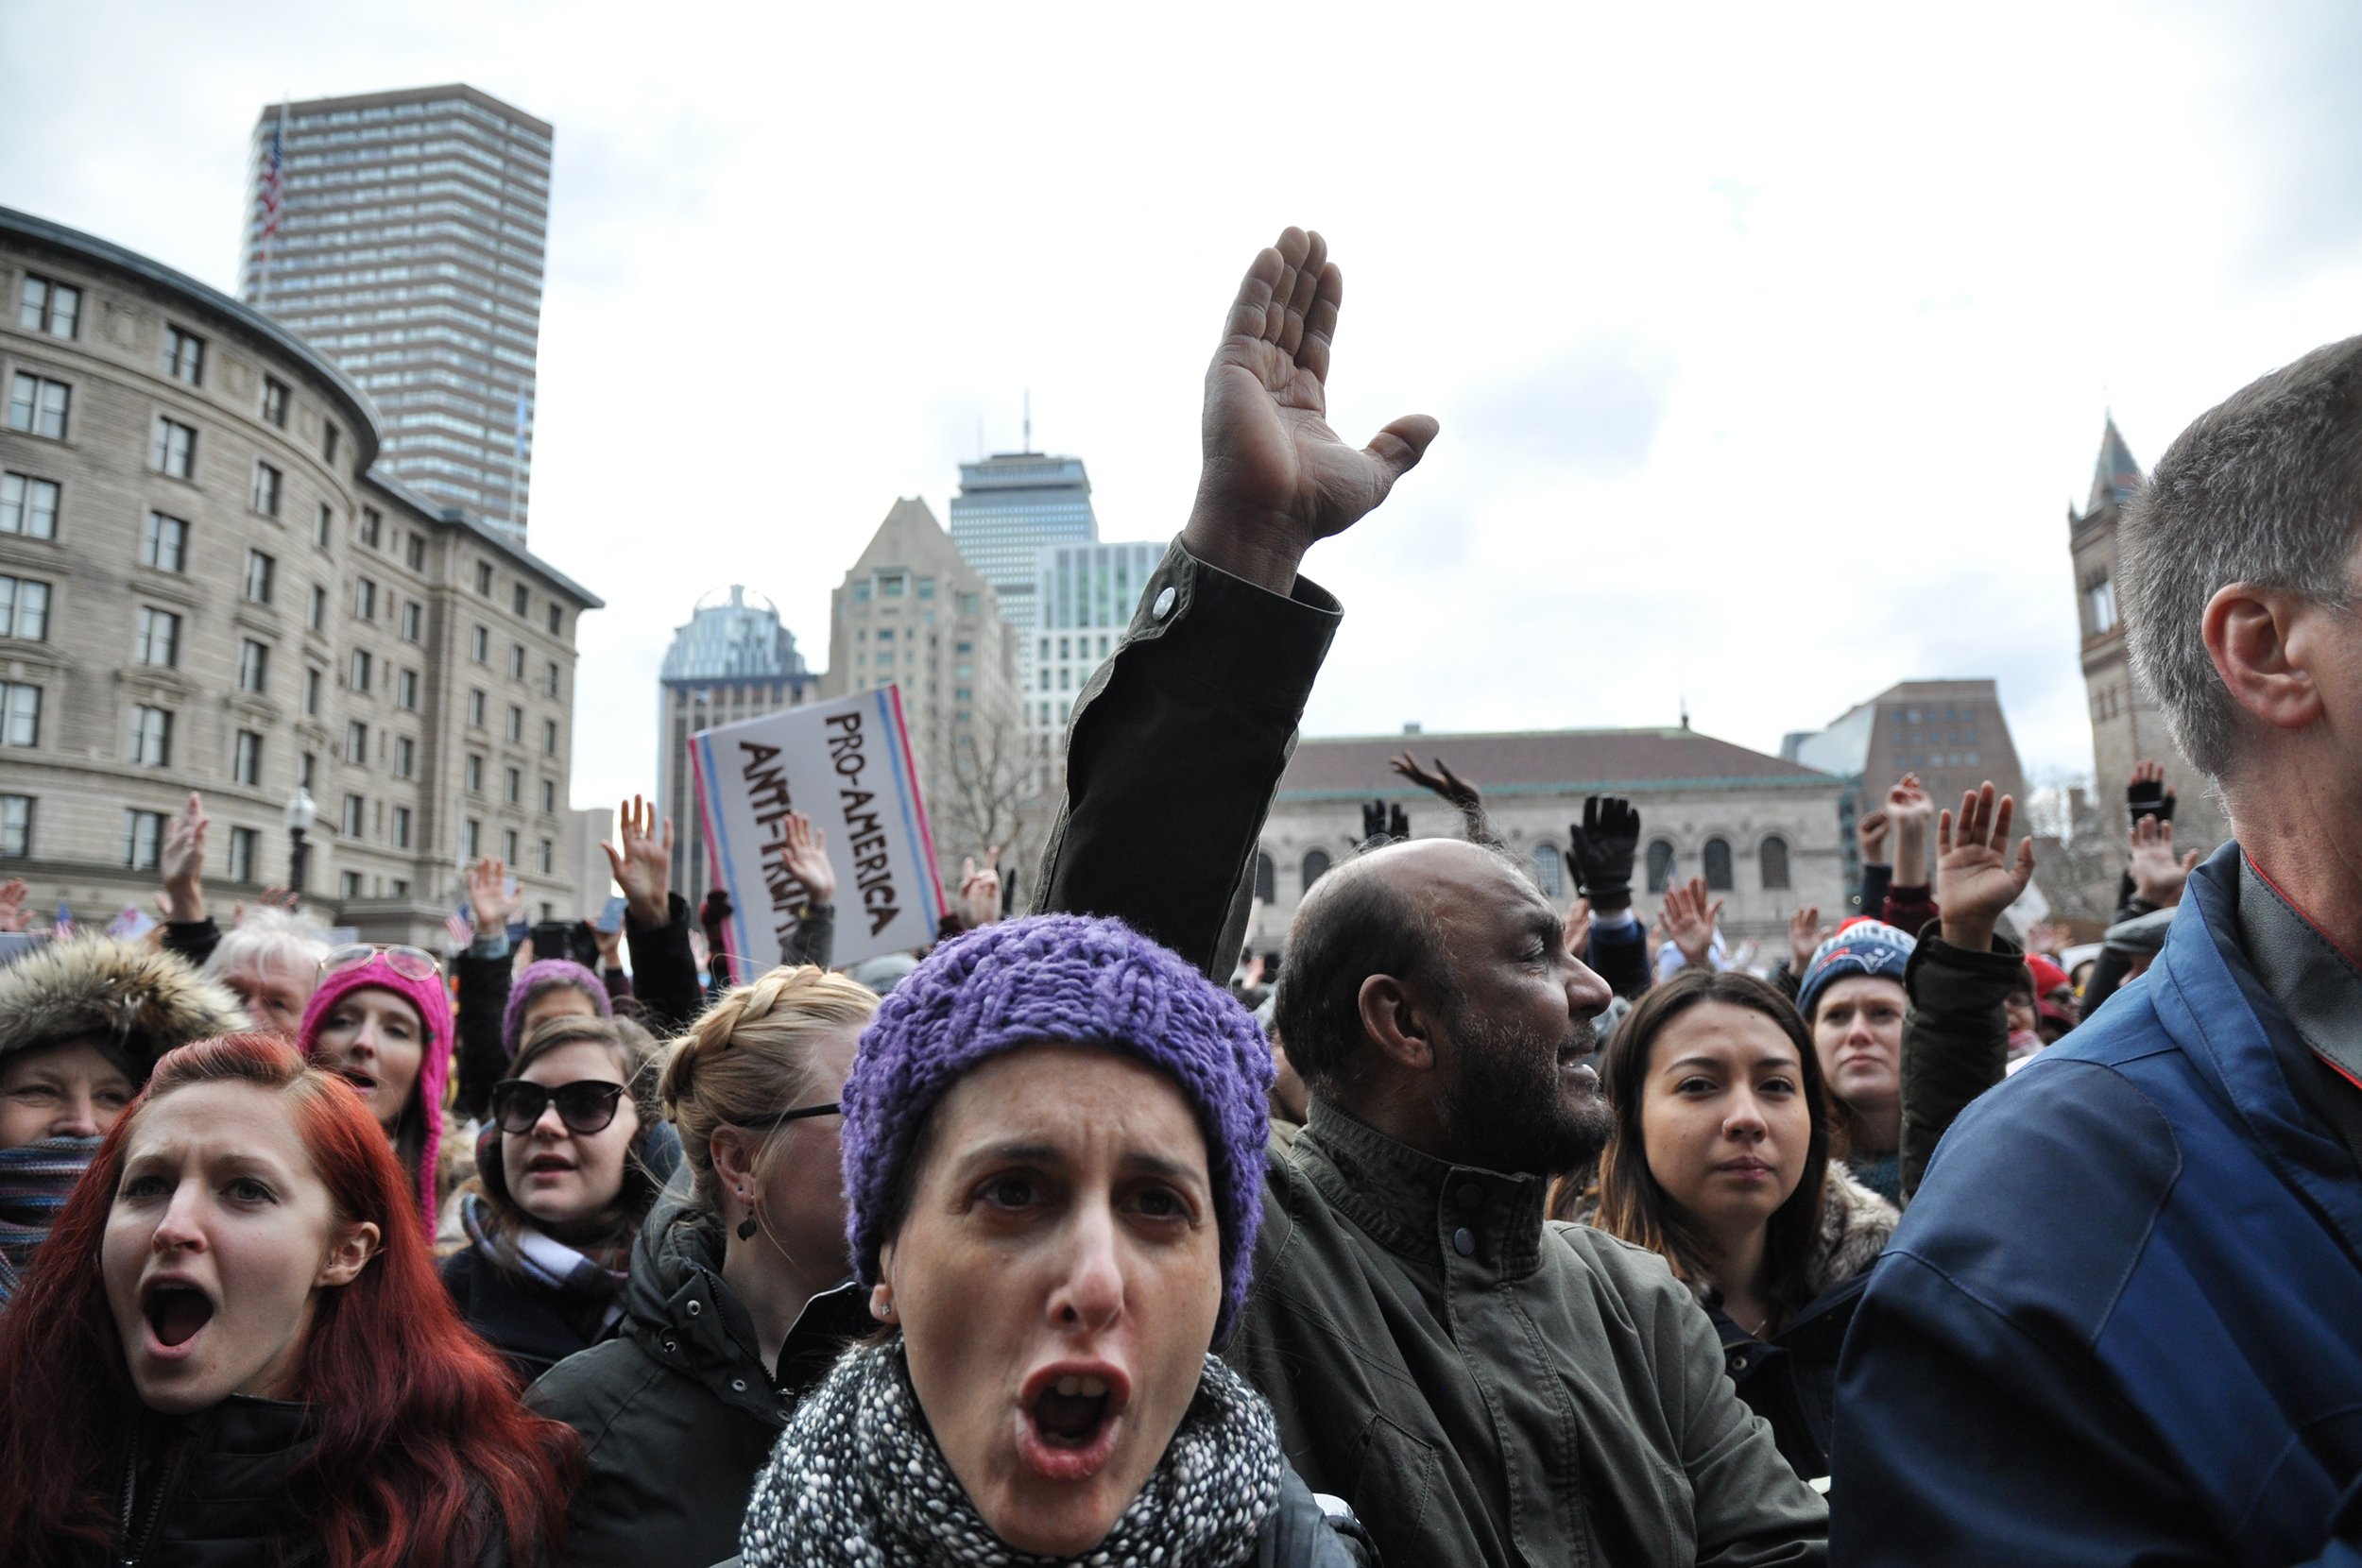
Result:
[433,1005]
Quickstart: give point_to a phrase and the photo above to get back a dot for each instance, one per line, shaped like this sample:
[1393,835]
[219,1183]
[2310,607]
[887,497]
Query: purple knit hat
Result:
[542,975]
[1071,979]
[434,1009]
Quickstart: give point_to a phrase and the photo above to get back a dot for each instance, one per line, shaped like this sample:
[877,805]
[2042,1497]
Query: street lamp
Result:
[299,815]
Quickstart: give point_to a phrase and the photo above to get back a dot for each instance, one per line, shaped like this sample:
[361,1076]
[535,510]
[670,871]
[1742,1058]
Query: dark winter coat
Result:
[2117,1325]
[679,1413]
[531,1326]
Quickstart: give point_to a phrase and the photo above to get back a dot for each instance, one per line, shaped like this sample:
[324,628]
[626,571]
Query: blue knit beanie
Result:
[1068,979]
[1859,947]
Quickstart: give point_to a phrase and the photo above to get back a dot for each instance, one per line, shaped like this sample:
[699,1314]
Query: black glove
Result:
[1397,822]
[716,911]
[2150,798]
[1602,847]
[1372,819]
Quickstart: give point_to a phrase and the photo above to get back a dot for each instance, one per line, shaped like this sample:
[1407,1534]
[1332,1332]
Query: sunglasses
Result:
[585,1106]
[409,962]
[755,1123]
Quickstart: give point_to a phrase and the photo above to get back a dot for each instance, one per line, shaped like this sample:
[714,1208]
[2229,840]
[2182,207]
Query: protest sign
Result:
[846,765]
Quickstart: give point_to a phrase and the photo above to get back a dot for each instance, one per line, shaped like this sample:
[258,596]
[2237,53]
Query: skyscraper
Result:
[1009,506]
[1084,598]
[733,661]
[408,248]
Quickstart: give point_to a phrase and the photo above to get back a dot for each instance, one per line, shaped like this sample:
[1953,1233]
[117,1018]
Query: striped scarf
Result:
[591,1277]
[34,1181]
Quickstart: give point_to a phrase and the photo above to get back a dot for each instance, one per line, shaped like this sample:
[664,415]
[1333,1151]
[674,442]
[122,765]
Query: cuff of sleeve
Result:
[1259,649]
[1613,920]
[492,945]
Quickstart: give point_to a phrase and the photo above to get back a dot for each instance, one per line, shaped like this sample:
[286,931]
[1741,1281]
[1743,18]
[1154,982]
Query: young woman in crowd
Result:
[562,1186]
[1055,1139]
[234,1350]
[80,1024]
[738,1298]
[380,1018]
[1721,1163]
[1854,1001]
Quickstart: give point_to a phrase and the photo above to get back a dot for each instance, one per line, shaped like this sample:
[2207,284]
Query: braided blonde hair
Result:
[749,1056]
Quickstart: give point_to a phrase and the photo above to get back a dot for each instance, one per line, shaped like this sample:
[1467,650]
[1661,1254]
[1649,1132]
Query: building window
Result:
[142,839]
[309,770]
[2101,597]
[549,797]
[1266,879]
[474,773]
[185,356]
[475,708]
[164,543]
[38,406]
[548,856]
[471,840]
[329,441]
[520,598]
[355,813]
[549,678]
[324,528]
[348,884]
[356,741]
[19,714]
[372,526]
[926,587]
[549,737]
[23,608]
[260,572]
[267,483]
[892,585]
[151,737]
[253,666]
[508,846]
[174,451]
[516,661]
[1716,860]
[406,691]
[415,552]
[480,645]
[483,578]
[311,692]
[1315,868]
[319,609]
[402,827]
[413,622]
[516,722]
[1771,859]
[558,621]
[361,669]
[160,638]
[1660,865]
[28,506]
[405,756]
[16,825]
[46,306]
[364,599]
[512,785]
[246,854]
[245,759]
[274,400]
[861,591]
[1546,869]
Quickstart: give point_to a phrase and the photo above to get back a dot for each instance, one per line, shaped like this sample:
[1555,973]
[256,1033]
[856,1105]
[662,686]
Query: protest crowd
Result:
[1488,1233]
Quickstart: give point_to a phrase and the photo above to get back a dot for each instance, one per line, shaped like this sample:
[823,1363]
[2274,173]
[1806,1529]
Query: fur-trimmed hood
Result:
[136,1002]
[1856,1225]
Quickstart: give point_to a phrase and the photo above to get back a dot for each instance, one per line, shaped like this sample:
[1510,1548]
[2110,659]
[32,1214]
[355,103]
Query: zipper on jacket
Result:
[135,1548]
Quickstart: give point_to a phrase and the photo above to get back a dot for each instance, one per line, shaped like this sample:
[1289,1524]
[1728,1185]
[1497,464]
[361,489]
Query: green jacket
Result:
[1486,1387]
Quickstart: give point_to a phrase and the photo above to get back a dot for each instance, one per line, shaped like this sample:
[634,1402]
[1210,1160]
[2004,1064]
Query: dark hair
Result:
[1363,925]
[1632,1203]
[635,1055]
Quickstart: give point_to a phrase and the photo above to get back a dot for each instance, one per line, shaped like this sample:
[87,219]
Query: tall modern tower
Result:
[408,248]
[733,661]
[1009,506]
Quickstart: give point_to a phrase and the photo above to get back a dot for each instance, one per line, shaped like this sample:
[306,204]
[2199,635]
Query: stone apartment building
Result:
[203,586]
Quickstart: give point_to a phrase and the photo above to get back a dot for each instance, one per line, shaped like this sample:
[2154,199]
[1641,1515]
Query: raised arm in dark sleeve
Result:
[1956,1037]
[1174,752]
[483,971]
[664,968]
[814,941]
[193,940]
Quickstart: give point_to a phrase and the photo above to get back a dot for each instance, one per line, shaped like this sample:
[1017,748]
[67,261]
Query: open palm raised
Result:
[1277,478]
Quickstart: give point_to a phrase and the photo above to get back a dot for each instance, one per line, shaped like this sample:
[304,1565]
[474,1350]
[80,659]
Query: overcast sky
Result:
[1769,343]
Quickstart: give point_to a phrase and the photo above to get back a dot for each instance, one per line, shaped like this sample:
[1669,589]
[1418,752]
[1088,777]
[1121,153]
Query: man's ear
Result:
[2264,641]
[350,1255]
[1396,1019]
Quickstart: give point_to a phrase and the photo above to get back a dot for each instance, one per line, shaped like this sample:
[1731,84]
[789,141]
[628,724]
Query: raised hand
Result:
[644,866]
[2158,877]
[609,944]
[1578,928]
[285,900]
[1600,851]
[804,853]
[1804,936]
[2148,794]
[490,905]
[1977,877]
[12,915]
[1275,477]
[979,890]
[1443,781]
[1912,812]
[1869,833]
[1689,919]
[183,861]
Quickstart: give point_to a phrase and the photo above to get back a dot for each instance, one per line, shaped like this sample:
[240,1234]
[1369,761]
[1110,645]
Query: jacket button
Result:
[693,1306]
[1463,1241]
[1164,604]
[1739,1361]
[738,1385]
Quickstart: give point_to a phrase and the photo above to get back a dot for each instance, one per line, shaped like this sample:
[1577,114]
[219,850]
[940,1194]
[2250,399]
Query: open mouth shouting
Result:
[1068,1416]
[178,1312]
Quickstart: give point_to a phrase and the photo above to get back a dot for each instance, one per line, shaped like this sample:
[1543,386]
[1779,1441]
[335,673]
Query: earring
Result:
[746,1227]
[881,1303]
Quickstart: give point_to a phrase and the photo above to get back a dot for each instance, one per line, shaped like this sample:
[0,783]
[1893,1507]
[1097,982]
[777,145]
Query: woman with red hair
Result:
[233,1348]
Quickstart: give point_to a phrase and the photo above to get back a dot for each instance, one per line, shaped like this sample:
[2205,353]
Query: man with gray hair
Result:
[2122,1321]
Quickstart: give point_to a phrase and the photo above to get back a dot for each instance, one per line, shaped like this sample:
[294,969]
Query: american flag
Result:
[461,928]
[271,184]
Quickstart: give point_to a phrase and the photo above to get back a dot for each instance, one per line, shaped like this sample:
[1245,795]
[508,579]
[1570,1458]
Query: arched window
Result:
[1545,870]
[1266,878]
[1660,865]
[1771,858]
[1315,868]
[1718,864]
